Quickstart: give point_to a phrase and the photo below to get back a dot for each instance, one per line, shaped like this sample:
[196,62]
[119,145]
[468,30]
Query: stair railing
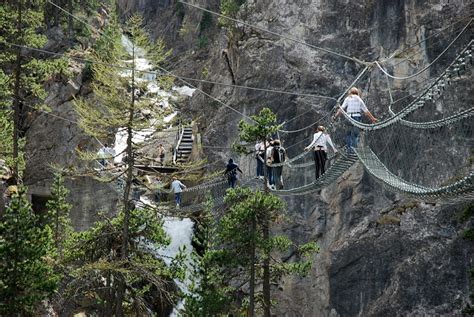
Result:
[179,138]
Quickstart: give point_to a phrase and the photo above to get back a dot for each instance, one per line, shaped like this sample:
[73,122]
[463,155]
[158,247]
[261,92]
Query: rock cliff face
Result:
[381,253]
[54,139]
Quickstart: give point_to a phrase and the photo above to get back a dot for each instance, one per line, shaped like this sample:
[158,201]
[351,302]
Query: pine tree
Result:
[231,246]
[21,26]
[264,125]
[98,271]
[116,105]
[26,274]
[58,213]
[209,295]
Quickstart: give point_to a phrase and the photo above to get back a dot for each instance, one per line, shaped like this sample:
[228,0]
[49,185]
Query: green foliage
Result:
[468,234]
[202,42]
[179,9]
[222,270]
[467,213]
[26,250]
[264,125]
[206,21]
[209,295]
[121,271]
[33,71]
[58,213]
[230,8]
[98,269]
[110,110]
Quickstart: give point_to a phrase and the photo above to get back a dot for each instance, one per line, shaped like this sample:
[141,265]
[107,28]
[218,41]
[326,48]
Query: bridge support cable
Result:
[459,64]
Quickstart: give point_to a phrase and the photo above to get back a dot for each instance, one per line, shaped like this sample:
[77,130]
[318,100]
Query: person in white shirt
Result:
[320,140]
[354,106]
[177,189]
[259,155]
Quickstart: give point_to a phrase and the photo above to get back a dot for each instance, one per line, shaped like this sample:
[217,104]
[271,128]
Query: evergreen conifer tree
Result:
[58,213]
[21,28]
[263,126]
[26,251]
[231,246]
[116,106]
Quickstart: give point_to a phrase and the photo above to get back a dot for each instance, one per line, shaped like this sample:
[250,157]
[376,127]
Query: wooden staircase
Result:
[184,145]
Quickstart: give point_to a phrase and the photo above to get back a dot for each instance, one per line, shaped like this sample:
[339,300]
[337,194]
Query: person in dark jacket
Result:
[278,157]
[231,173]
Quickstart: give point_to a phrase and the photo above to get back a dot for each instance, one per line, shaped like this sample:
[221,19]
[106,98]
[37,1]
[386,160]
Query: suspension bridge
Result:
[385,149]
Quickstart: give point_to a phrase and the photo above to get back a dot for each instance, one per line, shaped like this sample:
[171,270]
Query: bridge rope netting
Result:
[388,150]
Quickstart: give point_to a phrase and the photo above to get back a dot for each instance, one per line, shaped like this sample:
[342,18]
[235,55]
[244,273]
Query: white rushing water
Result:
[180,230]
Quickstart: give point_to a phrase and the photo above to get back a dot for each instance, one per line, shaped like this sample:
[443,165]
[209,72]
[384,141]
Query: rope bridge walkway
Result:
[340,165]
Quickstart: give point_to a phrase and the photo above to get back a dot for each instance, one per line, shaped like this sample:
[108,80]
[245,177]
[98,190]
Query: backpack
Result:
[279,154]
[233,172]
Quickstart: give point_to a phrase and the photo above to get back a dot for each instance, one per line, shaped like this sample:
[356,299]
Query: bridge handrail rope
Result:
[330,124]
[379,171]
[441,122]
[341,165]
[435,123]
[430,64]
[419,101]
[358,77]
[467,55]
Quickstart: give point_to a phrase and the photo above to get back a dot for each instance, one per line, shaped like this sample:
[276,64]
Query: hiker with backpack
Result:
[278,157]
[320,140]
[231,173]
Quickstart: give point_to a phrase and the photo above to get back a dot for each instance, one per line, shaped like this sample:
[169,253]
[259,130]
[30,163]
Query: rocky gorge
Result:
[382,253]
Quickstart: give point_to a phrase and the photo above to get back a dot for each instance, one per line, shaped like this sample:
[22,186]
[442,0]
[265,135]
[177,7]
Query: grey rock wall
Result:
[53,140]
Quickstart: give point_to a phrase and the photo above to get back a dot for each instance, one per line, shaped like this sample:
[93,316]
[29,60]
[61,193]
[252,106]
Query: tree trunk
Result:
[70,21]
[252,271]
[16,94]
[128,186]
[266,259]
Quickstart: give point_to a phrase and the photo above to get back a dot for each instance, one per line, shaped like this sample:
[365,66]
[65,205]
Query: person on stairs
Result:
[231,173]
[354,106]
[320,141]
[278,156]
[177,188]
